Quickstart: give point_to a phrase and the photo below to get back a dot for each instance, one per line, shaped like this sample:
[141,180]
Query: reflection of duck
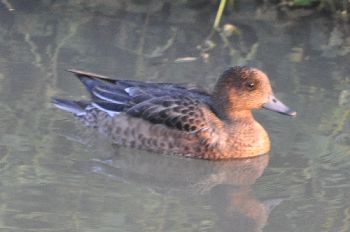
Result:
[181,119]
[226,185]
[180,173]
[241,210]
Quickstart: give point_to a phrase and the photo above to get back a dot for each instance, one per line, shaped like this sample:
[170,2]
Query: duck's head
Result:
[243,89]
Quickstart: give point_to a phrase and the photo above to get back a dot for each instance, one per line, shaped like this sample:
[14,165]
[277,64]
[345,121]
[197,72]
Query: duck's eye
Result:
[250,85]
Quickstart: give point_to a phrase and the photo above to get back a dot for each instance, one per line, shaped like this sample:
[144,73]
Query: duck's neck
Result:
[230,112]
[244,116]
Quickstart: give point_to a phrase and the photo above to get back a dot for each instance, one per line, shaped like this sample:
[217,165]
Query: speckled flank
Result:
[212,142]
[180,119]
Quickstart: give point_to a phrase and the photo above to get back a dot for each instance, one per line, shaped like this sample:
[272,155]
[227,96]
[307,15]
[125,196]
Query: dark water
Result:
[58,176]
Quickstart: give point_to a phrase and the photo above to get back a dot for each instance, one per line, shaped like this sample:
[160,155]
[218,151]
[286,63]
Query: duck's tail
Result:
[81,74]
[77,108]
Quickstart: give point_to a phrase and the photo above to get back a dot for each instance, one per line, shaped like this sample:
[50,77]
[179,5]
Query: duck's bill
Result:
[276,105]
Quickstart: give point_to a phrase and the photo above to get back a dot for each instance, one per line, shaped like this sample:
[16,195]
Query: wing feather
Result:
[179,106]
[180,112]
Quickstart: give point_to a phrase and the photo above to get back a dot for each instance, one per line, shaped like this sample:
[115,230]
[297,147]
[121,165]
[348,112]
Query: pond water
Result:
[57,175]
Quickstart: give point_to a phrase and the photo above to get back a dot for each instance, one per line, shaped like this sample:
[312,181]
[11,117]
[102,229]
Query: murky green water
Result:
[58,176]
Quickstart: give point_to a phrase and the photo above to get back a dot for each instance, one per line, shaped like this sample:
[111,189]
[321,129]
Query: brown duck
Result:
[181,119]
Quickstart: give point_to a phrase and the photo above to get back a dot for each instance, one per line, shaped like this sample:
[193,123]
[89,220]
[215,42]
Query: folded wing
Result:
[177,106]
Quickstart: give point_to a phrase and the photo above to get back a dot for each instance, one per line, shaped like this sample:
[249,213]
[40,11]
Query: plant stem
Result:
[219,14]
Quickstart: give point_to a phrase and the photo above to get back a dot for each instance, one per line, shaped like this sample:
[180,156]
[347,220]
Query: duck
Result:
[180,119]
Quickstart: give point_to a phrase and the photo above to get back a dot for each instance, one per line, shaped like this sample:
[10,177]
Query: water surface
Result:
[58,176]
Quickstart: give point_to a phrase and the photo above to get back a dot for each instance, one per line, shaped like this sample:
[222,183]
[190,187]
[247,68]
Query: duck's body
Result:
[180,119]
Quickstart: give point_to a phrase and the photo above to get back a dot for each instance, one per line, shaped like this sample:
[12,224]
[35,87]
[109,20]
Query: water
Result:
[58,176]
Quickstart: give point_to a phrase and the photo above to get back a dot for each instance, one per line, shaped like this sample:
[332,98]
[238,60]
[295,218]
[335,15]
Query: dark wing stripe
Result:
[111,89]
[110,97]
[108,106]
